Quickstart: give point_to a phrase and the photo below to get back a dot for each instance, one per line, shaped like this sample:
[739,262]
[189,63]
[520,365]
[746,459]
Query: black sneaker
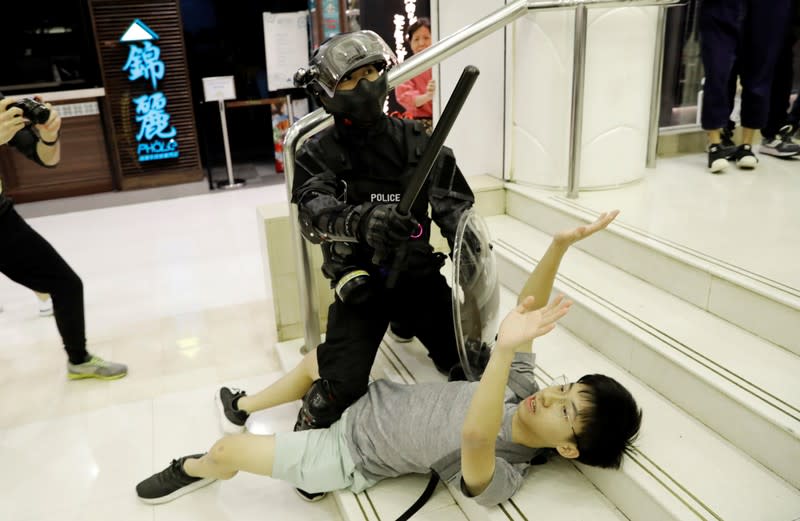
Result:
[717,159]
[726,144]
[311,497]
[745,158]
[171,483]
[231,419]
[781,145]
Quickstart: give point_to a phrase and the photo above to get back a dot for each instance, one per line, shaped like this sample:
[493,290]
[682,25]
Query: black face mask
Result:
[362,105]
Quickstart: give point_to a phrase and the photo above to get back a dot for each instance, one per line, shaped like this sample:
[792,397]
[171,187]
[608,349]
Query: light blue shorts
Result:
[318,460]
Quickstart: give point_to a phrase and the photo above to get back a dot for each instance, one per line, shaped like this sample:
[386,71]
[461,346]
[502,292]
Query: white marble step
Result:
[721,374]
[542,494]
[751,301]
[681,469]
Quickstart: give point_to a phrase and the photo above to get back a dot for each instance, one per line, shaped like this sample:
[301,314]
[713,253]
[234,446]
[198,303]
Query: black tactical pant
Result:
[28,259]
[354,332]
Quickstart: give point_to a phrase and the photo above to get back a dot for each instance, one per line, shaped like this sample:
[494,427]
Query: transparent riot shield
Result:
[476,294]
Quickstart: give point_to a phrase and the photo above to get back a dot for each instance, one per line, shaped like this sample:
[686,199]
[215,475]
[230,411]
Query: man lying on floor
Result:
[484,433]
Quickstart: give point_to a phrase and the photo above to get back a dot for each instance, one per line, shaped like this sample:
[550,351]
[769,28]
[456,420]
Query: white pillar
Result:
[477,137]
[619,75]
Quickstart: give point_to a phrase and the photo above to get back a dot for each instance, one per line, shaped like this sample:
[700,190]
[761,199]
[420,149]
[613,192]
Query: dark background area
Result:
[226,38]
[52,48]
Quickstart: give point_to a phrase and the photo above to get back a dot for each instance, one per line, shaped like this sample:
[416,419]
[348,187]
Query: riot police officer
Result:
[348,179]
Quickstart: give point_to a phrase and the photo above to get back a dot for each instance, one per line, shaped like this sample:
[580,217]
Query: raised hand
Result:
[568,237]
[524,323]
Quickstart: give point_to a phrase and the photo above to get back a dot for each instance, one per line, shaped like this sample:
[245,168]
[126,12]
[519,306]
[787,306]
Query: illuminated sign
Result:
[400,28]
[330,16]
[145,62]
[156,136]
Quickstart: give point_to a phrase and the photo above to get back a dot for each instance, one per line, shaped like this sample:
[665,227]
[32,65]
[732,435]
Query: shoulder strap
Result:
[423,498]
[448,466]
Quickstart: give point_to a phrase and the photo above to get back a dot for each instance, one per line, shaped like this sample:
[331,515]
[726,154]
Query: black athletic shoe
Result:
[781,144]
[745,158]
[171,483]
[717,159]
[231,419]
[311,497]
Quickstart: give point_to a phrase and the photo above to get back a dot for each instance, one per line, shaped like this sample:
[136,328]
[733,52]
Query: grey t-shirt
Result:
[397,429]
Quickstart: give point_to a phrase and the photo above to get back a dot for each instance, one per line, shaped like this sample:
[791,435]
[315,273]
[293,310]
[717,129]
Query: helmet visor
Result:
[345,53]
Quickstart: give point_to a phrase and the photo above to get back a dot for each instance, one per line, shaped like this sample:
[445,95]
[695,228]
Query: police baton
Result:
[468,77]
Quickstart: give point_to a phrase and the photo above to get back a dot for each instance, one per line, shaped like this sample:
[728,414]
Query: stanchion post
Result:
[655,93]
[232,183]
[576,126]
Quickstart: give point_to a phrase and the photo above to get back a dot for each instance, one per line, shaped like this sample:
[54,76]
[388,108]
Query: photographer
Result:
[34,128]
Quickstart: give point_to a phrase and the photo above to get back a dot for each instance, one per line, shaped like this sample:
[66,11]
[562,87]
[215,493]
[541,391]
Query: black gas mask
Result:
[362,105]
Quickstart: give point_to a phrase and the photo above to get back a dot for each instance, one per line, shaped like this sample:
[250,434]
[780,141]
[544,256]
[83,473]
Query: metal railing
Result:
[318,120]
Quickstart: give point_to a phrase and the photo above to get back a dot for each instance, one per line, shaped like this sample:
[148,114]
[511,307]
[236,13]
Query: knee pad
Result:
[320,407]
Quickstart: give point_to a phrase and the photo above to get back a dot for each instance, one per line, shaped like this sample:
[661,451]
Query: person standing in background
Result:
[748,35]
[416,94]
[777,134]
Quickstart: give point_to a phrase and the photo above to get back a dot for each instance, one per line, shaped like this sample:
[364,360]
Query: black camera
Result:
[37,113]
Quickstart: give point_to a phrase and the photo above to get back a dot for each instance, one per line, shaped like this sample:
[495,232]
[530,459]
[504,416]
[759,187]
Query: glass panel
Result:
[49,47]
[683,66]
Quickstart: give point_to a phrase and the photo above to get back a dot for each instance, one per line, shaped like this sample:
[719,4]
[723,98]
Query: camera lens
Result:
[34,111]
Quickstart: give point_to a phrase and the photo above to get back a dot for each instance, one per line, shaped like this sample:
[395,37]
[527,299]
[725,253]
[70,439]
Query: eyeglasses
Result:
[562,384]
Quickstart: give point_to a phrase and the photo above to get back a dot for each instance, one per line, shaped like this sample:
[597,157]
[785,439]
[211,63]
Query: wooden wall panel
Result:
[111,18]
[84,167]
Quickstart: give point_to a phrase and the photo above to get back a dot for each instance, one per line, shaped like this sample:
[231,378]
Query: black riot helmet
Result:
[339,56]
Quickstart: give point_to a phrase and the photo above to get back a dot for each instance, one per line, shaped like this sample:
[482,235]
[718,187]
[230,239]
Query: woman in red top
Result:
[415,95]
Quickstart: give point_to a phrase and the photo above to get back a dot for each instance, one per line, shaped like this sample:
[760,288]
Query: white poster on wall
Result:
[286,44]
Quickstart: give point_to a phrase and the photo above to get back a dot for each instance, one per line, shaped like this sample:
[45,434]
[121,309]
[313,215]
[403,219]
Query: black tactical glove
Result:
[384,228]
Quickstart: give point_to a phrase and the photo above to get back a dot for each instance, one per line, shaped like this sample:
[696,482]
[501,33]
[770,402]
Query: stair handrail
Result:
[319,119]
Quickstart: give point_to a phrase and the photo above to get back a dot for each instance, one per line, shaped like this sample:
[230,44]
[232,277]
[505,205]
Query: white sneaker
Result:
[46,307]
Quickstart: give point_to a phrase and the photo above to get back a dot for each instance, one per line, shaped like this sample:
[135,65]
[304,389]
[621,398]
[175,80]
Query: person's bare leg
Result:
[540,282]
[714,136]
[290,387]
[747,135]
[248,452]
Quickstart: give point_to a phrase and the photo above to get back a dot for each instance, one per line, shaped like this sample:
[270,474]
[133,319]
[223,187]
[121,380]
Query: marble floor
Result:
[745,218]
[175,288]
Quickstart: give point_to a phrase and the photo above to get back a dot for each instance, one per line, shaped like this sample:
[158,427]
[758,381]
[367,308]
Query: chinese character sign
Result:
[155,138]
[144,63]
[150,114]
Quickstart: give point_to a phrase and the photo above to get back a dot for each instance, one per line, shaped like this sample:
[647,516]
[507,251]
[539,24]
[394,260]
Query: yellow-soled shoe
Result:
[97,368]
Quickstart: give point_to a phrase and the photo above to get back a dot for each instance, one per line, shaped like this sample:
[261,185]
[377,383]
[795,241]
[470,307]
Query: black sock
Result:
[82,359]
